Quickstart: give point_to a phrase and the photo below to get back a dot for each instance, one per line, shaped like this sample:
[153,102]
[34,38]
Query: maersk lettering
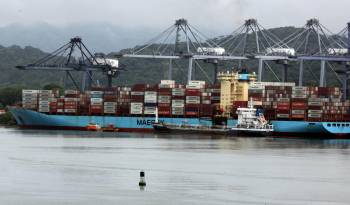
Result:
[145,122]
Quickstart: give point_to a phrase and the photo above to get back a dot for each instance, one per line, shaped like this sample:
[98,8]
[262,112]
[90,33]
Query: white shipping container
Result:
[283,99]
[29,99]
[164,97]
[44,102]
[164,101]
[30,91]
[299,96]
[176,105]
[45,91]
[206,102]
[315,111]
[167,82]
[314,99]
[178,90]
[193,98]
[315,103]
[137,93]
[282,115]
[70,110]
[110,103]
[151,99]
[314,115]
[136,111]
[136,104]
[177,93]
[96,92]
[109,111]
[109,108]
[193,102]
[43,110]
[96,103]
[150,110]
[178,101]
[298,112]
[96,100]
[194,86]
[206,94]
[60,110]
[165,86]
[197,83]
[299,88]
[177,109]
[257,103]
[71,92]
[150,93]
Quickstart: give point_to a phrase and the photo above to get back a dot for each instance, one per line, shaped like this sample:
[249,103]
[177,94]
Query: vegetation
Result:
[7,119]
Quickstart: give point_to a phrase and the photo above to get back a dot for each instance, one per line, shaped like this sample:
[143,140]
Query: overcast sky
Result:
[216,15]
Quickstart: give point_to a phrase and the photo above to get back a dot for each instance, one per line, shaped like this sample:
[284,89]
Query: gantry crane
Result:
[75,56]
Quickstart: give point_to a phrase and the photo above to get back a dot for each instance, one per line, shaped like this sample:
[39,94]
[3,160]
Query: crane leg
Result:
[322,73]
[260,69]
[189,74]
[301,72]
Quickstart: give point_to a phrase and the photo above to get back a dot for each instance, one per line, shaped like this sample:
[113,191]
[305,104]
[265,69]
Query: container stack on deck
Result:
[279,101]
[172,100]
[30,99]
[285,101]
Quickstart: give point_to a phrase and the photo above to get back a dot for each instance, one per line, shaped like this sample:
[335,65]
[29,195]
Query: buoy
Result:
[142,182]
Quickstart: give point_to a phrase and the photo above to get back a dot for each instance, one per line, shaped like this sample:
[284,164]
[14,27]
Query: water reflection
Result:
[68,167]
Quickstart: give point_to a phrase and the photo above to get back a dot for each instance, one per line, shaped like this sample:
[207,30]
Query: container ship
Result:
[292,110]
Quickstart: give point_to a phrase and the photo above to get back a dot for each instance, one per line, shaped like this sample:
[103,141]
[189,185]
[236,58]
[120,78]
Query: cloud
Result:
[215,15]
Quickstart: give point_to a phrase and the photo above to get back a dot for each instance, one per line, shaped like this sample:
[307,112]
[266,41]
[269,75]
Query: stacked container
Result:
[45,97]
[123,101]
[110,102]
[178,102]
[164,100]
[137,99]
[96,102]
[150,103]
[30,99]
[192,102]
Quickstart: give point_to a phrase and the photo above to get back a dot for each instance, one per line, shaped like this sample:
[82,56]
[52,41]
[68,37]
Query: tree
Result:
[53,86]
[10,95]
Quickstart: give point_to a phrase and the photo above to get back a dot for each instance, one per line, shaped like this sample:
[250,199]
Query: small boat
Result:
[251,123]
[110,128]
[188,128]
[93,127]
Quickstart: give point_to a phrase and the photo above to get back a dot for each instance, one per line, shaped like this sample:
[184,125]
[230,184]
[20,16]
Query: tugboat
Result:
[251,123]
[93,127]
[187,128]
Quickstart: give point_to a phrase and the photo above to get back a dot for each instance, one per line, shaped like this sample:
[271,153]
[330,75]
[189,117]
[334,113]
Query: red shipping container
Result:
[298,116]
[192,92]
[283,107]
[163,105]
[70,103]
[192,113]
[299,100]
[299,106]
[95,107]
[70,107]
[240,104]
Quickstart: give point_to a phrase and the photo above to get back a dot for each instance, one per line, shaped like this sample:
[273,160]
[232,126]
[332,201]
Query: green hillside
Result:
[142,70]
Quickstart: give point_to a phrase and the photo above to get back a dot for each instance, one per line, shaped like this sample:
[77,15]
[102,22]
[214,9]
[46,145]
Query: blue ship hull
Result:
[33,119]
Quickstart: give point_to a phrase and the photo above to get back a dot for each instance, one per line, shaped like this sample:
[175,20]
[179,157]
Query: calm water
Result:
[63,167]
